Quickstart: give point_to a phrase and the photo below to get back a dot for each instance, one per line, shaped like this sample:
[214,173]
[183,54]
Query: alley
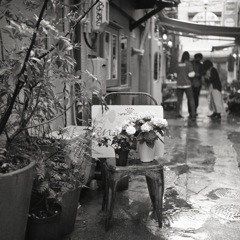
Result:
[202,188]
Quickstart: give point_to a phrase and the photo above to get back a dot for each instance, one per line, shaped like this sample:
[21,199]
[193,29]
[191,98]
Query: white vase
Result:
[146,153]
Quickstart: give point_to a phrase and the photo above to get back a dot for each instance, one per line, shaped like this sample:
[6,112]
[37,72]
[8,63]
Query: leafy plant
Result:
[123,139]
[40,58]
[233,96]
[54,175]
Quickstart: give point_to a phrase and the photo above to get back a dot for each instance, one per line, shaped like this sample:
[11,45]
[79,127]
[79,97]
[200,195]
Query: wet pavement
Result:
[202,188]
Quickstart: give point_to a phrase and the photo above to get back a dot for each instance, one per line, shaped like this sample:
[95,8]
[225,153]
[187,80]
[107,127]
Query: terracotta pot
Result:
[146,153]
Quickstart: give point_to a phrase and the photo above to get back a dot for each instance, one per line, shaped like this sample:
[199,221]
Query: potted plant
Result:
[16,176]
[233,97]
[147,129]
[29,104]
[75,145]
[122,142]
[56,188]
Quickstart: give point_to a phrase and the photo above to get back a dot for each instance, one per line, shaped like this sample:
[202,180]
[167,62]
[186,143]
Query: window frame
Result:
[114,30]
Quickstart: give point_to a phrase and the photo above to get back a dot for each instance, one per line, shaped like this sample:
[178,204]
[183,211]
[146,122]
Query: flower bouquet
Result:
[143,128]
[146,128]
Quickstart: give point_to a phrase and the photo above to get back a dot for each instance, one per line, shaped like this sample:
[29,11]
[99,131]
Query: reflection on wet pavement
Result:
[202,163]
[202,188]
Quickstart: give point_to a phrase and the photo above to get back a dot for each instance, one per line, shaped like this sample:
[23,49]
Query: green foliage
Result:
[54,176]
[148,137]
[39,60]
[232,97]
[123,141]
[233,90]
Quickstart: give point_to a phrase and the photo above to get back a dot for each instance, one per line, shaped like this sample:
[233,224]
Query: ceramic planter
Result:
[146,153]
[15,197]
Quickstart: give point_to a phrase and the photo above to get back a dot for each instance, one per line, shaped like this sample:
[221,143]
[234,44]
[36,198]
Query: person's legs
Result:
[189,108]
[189,93]
[196,93]
[179,93]
[218,103]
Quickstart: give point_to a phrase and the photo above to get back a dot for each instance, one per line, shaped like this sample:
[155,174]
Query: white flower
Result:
[125,124]
[140,116]
[118,129]
[238,91]
[130,130]
[159,122]
[149,115]
[146,127]
[133,117]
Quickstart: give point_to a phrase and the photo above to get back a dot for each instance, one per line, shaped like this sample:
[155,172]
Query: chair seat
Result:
[153,172]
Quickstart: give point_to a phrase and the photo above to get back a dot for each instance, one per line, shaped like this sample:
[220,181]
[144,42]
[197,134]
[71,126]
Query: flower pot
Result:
[146,153]
[121,160]
[44,228]
[121,157]
[69,210]
[15,197]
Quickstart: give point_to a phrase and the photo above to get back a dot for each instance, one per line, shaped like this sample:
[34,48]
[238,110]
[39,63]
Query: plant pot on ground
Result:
[37,81]
[60,181]
[16,176]
[44,224]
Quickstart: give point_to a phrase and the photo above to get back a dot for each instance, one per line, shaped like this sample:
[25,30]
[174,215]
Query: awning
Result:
[198,29]
[220,47]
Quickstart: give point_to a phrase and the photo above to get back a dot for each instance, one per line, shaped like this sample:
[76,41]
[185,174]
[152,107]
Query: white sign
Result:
[230,13]
[106,122]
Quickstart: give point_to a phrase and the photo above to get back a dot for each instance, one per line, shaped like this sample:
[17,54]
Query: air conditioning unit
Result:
[100,16]
[98,68]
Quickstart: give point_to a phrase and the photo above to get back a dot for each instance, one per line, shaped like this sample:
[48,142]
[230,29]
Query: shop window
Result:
[111,54]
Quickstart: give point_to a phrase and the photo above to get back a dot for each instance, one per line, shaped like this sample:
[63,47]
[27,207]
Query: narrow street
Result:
[202,188]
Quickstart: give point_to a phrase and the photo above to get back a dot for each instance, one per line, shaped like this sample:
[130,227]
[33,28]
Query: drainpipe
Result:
[140,51]
[145,34]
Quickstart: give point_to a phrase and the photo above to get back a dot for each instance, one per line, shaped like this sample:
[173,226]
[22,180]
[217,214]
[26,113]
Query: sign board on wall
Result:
[106,122]
[230,13]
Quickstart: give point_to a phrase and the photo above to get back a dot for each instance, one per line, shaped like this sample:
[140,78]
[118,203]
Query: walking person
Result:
[197,80]
[215,90]
[184,72]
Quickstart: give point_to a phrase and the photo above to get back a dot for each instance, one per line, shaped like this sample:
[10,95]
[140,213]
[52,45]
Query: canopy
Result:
[220,47]
[198,29]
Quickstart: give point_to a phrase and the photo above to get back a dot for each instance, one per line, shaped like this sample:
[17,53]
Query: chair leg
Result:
[151,188]
[155,189]
[105,193]
[110,200]
[158,200]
